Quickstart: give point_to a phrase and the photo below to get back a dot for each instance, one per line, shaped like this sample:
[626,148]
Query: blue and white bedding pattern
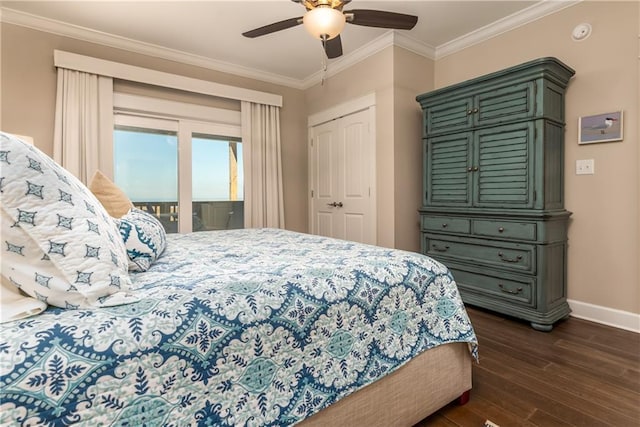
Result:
[258,327]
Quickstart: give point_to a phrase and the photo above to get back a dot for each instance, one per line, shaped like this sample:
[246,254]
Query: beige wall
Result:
[604,228]
[28,100]
[396,76]
[373,75]
[604,233]
[413,75]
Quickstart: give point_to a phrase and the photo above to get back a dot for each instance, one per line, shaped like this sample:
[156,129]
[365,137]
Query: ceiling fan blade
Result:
[272,28]
[381,19]
[333,47]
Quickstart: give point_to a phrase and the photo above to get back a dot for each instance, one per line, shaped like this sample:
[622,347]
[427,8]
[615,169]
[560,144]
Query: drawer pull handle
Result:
[500,230]
[509,291]
[445,225]
[439,249]
[505,259]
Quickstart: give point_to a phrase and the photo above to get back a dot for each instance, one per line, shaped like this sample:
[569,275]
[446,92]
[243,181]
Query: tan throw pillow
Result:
[114,200]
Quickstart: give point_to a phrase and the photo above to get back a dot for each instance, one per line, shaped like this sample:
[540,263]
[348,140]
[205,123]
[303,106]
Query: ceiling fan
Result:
[325,19]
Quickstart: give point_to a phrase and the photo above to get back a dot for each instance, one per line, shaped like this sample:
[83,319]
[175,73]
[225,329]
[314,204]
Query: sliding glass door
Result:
[217,183]
[188,174]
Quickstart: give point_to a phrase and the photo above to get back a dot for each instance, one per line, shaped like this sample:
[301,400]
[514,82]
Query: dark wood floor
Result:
[579,374]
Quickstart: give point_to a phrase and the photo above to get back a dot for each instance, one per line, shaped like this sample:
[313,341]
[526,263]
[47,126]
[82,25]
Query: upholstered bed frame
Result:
[403,398]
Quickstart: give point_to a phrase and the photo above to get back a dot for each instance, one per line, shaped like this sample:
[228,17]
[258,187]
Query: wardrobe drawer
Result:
[514,289]
[512,256]
[446,224]
[505,229]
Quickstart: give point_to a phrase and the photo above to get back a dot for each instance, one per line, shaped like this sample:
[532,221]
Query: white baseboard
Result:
[605,315]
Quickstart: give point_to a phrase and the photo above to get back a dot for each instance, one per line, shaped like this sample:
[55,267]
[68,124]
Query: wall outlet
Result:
[585,167]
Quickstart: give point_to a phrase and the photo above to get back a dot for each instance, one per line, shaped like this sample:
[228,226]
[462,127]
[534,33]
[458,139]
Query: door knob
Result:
[335,204]
[339,204]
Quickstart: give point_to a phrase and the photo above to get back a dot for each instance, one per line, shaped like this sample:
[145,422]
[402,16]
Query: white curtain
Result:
[83,123]
[263,197]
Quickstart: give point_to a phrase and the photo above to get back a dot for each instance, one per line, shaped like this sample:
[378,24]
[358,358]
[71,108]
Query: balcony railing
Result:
[212,215]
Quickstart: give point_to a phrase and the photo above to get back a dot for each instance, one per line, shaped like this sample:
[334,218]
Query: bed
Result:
[252,327]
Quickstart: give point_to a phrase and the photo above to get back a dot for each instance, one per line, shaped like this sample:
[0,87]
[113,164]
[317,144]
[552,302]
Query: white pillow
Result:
[144,237]
[59,245]
[14,305]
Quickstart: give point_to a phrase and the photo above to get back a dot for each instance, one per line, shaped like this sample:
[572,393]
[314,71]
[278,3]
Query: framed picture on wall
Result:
[606,127]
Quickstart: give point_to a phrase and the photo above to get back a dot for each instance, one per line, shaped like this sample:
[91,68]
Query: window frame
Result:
[186,120]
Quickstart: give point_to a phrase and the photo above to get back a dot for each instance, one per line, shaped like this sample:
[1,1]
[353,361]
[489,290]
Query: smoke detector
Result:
[581,32]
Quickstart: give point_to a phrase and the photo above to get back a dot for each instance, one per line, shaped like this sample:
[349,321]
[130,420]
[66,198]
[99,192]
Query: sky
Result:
[146,167]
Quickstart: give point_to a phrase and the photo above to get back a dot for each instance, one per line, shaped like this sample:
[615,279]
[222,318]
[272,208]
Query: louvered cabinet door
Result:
[503,166]
[505,104]
[449,116]
[447,178]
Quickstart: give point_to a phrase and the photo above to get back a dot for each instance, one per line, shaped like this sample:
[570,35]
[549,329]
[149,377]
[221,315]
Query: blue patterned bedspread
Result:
[243,327]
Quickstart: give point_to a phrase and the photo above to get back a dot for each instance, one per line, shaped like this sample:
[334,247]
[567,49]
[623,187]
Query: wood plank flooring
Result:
[580,374]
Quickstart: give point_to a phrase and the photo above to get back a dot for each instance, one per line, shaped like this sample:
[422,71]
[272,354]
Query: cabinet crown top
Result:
[547,67]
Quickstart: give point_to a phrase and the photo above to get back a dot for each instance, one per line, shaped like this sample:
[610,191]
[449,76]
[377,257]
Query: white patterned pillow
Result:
[144,237]
[58,243]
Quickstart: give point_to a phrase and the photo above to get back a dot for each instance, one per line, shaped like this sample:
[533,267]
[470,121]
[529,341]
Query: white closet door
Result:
[341,165]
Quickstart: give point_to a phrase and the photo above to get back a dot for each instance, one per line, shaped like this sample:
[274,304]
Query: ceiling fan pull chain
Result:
[323,74]
[323,62]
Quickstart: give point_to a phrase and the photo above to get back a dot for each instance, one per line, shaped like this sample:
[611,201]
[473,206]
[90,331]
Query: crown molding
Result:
[393,37]
[346,61]
[501,26]
[413,45]
[39,23]
[390,38]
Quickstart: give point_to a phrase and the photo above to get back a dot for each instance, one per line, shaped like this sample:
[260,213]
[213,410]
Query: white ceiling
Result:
[208,33]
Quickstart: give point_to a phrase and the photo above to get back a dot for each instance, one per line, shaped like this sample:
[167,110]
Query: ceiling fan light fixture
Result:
[323,22]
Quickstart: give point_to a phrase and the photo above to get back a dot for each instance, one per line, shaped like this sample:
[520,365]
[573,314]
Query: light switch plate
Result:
[585,167]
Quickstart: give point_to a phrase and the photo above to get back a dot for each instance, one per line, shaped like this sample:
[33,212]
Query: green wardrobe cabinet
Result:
[493,200]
